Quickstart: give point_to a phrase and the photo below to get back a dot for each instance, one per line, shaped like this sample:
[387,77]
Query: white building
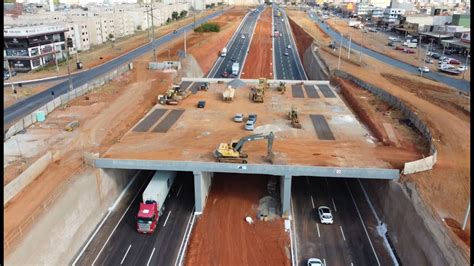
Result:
[392,15]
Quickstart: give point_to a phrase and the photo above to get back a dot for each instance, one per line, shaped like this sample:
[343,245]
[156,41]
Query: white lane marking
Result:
[307,180]
[324,260]
[312,202]
[187,233]
[363,224]
[368,201]
[343,237]
[352,264]
[151,256]
[179,190]
[126,253]
[168,216]
[106,217]
[115,228]
[334,204]
[317,227]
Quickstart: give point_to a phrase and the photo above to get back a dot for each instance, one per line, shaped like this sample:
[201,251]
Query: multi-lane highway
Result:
[24,107]
[238,46]
[287,63]
[118,242]
[351,240]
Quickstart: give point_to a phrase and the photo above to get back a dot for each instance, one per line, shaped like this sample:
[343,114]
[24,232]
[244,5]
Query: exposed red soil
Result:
[258,63]
[302,38]
[221,235]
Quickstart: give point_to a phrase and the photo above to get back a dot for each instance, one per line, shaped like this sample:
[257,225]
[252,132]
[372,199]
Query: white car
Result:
[315,262]
[239,117]
[289,46]
[250,125]
[424,69]
[285,54]
[243,36]
[462,68]
[325,215]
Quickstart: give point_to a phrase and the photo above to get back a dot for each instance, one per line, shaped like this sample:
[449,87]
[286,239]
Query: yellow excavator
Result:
[282,87]
[233,153]
[293,116]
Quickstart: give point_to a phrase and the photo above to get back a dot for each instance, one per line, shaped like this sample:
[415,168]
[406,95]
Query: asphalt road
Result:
[351,240]
[30,104]
[124,245]
[238,47]
[459,84]
[289,66]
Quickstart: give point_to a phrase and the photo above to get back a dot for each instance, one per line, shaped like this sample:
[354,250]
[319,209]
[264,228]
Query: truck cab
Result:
[147,217]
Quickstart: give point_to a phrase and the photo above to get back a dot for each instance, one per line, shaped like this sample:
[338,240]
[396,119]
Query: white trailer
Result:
[158,188]
[224,52]
[228,94]
[235,68]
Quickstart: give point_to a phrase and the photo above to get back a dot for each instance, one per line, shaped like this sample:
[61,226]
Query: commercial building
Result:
[391,16]
[27,48]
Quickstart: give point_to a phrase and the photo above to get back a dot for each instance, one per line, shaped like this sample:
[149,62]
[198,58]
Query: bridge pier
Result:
[285,189]
[202,183]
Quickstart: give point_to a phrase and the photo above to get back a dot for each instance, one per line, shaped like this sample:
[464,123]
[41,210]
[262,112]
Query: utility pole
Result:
[11,77]
[152,33]
[419,48]
[68,68]
[184,32]
[56,59]
[349,49]
[467,59]
[361,47]
[340,49]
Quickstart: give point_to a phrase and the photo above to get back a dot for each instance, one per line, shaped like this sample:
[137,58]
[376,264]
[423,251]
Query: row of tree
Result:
[177,16]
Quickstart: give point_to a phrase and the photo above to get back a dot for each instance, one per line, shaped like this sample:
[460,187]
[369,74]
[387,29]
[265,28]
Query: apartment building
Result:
[27,48]
[391,16]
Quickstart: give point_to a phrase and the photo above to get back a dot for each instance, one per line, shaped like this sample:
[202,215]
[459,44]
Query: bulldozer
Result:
[256,94]
[293,116]
[233,153]
[282,87]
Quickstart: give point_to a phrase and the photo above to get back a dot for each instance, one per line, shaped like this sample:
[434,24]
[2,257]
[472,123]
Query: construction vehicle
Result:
[256,94]
[235,68]
[263,82]
[228,94]
[282,87]
[293,116]
[233,153]
[173,95]
[154,196]
[72,125]
[223,53]
[204,86]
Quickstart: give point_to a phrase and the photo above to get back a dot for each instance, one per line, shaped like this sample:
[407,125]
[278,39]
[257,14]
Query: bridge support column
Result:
[202,183]
[285,189]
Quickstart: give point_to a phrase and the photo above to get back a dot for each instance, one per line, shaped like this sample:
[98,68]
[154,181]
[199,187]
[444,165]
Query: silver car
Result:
[250,125]
[325,215]
[315,262]
[239,117]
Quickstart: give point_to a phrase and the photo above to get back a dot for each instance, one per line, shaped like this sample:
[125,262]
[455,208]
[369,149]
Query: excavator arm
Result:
[270,136]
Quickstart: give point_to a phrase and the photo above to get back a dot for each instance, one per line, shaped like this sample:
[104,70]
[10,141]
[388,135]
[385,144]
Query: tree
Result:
[175,15]
[139,27]
[168,20]
[183,14]
[110,37]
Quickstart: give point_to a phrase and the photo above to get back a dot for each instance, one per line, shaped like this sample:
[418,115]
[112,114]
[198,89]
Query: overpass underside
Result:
[204,172]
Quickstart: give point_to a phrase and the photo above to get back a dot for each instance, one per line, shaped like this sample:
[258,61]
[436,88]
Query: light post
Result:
[467,59]
[349,49]
[340,49]
[361,47]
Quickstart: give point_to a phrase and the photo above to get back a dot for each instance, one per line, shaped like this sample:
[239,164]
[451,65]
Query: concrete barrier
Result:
[29,119]
[25,178]
[255,81]
[409,167]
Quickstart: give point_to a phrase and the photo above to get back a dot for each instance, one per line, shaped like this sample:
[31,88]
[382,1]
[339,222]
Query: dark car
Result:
[391,44]
[233,59]
[435,56]
[201,104]
[252,117]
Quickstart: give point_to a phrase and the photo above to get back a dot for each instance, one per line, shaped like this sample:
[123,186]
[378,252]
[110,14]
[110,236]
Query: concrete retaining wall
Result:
[418,235]
[25,178]
[410,167]
[29,119]
[202,184]
[315,68]
[71,219]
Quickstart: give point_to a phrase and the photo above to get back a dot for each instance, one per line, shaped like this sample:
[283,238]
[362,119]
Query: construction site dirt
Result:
[188,140]
[221,235]
[258,63]
[446,112]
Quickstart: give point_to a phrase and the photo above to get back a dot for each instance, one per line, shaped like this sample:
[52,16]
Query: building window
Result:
[83,40]
[36,62]
[34,51]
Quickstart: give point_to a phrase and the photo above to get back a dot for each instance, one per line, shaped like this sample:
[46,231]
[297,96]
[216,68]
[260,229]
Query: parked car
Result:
[201,104]
[315,262]
[394,39]
[239,117]
[250,125]
[391,44]
[399,48]
[325,215]
[408,51]
[435,56]
[424,69]
[372,29]
[462,68]
[429,61]
[252,117]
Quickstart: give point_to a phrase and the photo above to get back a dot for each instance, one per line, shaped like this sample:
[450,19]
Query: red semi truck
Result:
[154,196]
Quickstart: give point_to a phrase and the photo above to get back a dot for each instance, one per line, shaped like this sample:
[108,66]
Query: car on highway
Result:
[423,69]
[325,215]
[250,125]
[239,117]
[289,46]
[243,36]
[315,262]
[233,59]
[285,54]
[225,74]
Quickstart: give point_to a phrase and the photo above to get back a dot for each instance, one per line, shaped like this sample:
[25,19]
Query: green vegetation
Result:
[208,27]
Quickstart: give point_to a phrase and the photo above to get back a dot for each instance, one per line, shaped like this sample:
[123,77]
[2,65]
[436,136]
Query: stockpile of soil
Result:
[223,237]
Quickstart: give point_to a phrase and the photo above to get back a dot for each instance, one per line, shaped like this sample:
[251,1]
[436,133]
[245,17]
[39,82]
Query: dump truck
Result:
[233,153]
[224,52]
[235,68]
[153,199]
[293,116]
[204,86]
[228,94]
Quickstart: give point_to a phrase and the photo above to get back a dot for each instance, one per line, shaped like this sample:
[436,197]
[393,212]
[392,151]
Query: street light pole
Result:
[152,33]
[349,50]
[467,59]
[184,32]
[340,49]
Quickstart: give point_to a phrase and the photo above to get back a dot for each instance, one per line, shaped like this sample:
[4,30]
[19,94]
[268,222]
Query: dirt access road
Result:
[378,41]
[446,187]
[259,60]
[221,236]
